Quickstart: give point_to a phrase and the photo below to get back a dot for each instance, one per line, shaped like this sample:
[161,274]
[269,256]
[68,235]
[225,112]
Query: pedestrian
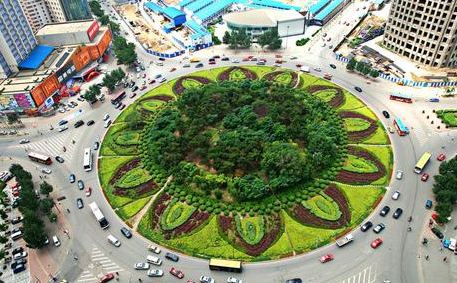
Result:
[445,259]
[426,257]
[441,248]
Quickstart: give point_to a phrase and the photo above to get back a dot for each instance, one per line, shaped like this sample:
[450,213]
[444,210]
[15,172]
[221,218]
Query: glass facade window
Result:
[76,10]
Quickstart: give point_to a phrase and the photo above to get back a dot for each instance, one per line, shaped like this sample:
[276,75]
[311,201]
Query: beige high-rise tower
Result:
[424,31]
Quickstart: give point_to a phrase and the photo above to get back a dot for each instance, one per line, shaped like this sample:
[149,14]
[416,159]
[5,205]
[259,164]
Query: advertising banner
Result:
[93,29]
[24,100]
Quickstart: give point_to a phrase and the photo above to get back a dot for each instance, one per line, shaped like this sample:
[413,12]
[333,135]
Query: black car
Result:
[135,88]
[225,59]
[126,232]
[80,184]
[19,268]
[122,106]
[199,65]
[96,145]
[62,122]
[398,212]
[79,203]
[17,220]
[172,257]
[386,114]
[132,84]
[384,210]
[162,59]
[60,159]
[358,89]
[379,228]
[294,280]
[79,123]
[366,226]
[90,122]
[72,178]
[15,204]
[22,261]
[332,66]
[438,233]
[17,250]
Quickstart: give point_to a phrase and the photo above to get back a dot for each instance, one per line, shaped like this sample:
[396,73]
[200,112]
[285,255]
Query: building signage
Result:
[93,29]
[49,102]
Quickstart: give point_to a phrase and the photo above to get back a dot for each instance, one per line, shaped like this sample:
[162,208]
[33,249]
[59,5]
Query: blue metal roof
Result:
[198,30]
[184,3]
[36,57]
[198,5]
[153,7]
[172,12]
[275,4]
[318,6]
[213,9]
[327,10]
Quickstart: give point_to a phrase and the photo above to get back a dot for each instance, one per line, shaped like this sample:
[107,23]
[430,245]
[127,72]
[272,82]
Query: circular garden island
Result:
[248,163]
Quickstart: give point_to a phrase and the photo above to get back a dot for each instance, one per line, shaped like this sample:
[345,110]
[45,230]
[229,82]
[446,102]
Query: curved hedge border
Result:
[178,87]
[336,101]
[225,75]
[273,76]
[359,136]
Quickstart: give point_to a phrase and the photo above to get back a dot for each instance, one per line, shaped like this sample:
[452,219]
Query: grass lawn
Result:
[359,165]
[325,208]
[110,145]
[308,80]
[284,78]
[280,248]
[351,102]
[129,210]
[366,112]
[175,215]
[304,238]
[163,89]
[150,104]
[263,70]
[133,178]
[128,137]
[385,155]
[107,167]
[326,95]
[356,124]
[378,137]
[251,229]
[361,200]
[190,83]
[125,113]
[448,117]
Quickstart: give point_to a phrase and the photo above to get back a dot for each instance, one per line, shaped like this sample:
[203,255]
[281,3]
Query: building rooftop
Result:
[66,27]
[261,17]
[36,57]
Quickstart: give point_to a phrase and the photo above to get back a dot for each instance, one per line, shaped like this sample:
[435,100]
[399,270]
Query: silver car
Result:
[395,195]
[399,175]
[155,273]
[141,266]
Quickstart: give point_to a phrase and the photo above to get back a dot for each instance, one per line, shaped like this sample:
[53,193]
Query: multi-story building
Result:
[425,31]
[75,10]
[56,11]
[37,13]
[16,37]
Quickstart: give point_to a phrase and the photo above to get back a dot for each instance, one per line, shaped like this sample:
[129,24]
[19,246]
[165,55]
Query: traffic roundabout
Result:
[249,163]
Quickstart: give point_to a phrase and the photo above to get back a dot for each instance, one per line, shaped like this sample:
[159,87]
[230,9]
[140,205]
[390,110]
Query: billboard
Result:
[93,29]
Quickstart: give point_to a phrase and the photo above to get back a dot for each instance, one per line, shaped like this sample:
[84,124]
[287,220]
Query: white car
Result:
[234,280]
[293,57]
[399,175]
[206,279]
[63,128]
[19,255]
[141,266]
[106,117]
[187,65]
[317,69]
[154,249]
[24,141]
[46,170]
[395,195]
[155,273]
[61,110]
[235,61]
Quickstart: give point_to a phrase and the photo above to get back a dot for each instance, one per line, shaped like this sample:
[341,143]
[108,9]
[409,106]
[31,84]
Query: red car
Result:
[107,277]
[262,60]
[152,81]
[278,56]
[88,191]
[177,273]
[278,61]
[173,69]
[245,59]
[143,87]
[298,65]
[424,177]
[327,258]
[376,243]
[212,63]
[441,157]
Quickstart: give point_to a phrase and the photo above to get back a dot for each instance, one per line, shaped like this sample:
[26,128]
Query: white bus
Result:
[87,159]
[99,215]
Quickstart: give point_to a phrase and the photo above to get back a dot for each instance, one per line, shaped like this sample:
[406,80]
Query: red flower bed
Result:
[196,219]
[360,135]
[272,233]
[225,75]
[272,77]
[306,217]
[124,169]
[356,178]
[165,98]
[159,207]
[336,101]
[139,190]
[178,87]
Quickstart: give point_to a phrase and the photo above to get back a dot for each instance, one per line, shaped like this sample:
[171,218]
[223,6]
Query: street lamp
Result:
[287,36]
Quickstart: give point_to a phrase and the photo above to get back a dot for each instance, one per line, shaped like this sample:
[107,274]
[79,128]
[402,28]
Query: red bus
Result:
[118,98]
[40,158]
[401,97]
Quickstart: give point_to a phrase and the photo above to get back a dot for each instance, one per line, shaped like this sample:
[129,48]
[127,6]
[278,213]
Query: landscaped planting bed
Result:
[259,168]
[448,117]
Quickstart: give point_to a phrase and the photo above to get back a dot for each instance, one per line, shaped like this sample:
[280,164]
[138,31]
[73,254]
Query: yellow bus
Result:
[194,60]
[225,265]
[420,165]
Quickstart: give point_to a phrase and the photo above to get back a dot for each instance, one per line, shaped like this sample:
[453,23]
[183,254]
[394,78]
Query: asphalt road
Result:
[394,260]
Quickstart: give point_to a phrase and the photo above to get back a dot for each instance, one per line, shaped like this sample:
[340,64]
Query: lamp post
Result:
[287,36]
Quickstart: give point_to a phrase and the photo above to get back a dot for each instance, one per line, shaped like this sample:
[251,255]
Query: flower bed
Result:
[324,207]
[448,117]
[175,215]
[226,74]
[133,178]
[358,136]
[180,85]
[283,77]
[251,229]
[336,101]
[358,178]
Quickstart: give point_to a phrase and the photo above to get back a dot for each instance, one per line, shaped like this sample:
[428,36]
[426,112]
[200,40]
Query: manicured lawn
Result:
[356,124]
[190,83]
[323,207]
[251,229]
[132,208]
[351,102]
[133,178]
[448,117]
[110,146]
[128,138]
[384,154]
[150,104]
[379,137]
[308,80]
[107,167]
[284,78]
[262,70]
[175,215]
[361,200]
[366,112]
[359,165]
[326,95]
[279,249]
[163,89]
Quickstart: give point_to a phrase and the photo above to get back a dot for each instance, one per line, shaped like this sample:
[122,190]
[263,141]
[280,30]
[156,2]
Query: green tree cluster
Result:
[270,39]
[237,39]
[445,189]
[96,8]
[29,204]
[362,67]
[124,51]
[111,79]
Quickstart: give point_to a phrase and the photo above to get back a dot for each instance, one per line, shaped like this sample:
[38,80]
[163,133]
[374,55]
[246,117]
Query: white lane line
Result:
[364,275]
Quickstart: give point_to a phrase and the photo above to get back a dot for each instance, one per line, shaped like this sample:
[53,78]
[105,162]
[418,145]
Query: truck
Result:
[305,69]
[344,241]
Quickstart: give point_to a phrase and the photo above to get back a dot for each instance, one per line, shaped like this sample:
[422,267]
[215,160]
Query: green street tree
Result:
[96,8]
[118,74]
[264,39]
[351,64]
[374,73]
[34,234]
[3,239]
[114,27]
[46,205]
[46,188]
[104,20]
[52,217]
[109,82]
[124,51]
[91,94]
[226,37]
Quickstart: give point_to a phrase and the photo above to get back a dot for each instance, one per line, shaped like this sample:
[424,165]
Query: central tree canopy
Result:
[247,138]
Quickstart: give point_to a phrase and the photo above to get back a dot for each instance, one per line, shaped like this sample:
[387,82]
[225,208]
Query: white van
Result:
[154,260]
[159,63]
[56,241]
[16,236]
[107,123]
[304,69]
[113,240]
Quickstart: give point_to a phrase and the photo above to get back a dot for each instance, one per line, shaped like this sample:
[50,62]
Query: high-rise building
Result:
[37,13]
[16,37]
[76,10]
[56,11]
[425,31]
